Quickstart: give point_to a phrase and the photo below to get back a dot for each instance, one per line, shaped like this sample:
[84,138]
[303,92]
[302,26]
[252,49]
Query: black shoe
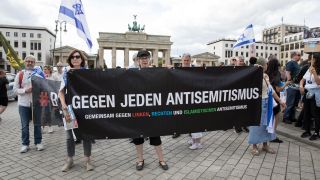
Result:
[298,124]
[314,136]
[175,136]
[238,130]
[245,129]
[305,134]
[288,122]
[163,165]
[78,141]
[139,165]
[276,140]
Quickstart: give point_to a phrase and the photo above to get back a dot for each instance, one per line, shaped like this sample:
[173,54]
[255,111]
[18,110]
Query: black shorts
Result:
[4,101]
[276,109]
[154,141]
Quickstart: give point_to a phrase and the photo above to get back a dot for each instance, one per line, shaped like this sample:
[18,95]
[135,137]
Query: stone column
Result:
[155,57]
[114,57]
[167,56]
[101,59]
[126,57]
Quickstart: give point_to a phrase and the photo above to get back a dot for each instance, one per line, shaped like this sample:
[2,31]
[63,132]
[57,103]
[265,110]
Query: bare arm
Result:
[288,76]
[315,75]
[62,98]
[301,87]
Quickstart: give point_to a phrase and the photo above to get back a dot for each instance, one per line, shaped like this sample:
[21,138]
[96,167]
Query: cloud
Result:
[191,24]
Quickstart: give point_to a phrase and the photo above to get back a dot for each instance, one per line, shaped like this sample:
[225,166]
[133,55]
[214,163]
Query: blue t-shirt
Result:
[294,69]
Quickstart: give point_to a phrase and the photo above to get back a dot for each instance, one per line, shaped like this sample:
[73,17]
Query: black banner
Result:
[120,103]
[45,102]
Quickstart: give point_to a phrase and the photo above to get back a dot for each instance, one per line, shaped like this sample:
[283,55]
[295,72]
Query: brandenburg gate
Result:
[135,40]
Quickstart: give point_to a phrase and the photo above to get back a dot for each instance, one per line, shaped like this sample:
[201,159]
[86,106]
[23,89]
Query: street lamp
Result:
[60,24]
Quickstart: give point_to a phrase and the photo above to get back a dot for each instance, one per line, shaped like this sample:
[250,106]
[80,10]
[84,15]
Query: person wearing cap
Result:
[135,61]
[260,134]
[144,61]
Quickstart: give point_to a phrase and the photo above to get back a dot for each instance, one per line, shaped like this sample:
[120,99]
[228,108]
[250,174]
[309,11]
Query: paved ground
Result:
[225,156]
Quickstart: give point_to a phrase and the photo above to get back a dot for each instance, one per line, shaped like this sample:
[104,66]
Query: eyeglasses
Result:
[144,58]
[30,62]
[76,56]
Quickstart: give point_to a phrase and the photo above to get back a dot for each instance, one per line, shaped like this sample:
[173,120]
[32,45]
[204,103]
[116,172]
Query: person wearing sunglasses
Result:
[144,61]
[76,60]
[293,94]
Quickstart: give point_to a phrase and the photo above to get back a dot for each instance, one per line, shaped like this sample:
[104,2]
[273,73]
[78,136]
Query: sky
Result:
[191,24]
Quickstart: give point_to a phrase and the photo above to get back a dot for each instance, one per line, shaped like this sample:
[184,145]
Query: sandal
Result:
[163,165]
[268,150]
[255,152]
[139,165]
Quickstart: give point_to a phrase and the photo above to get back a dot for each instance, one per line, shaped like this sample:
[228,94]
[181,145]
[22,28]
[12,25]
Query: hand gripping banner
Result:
[121,103]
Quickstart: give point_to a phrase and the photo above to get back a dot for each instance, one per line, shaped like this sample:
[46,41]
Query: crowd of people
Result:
[298,83]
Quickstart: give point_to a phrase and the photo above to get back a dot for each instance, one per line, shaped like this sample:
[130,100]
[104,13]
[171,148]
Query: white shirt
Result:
[310,82]
[57,76]
[24,99]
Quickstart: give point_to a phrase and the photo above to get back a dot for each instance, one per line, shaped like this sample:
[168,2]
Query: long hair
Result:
[83,58]
[316,65]
[273,69]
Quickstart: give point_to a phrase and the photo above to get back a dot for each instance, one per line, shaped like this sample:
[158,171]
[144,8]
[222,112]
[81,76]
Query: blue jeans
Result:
[25,116]
[293,96]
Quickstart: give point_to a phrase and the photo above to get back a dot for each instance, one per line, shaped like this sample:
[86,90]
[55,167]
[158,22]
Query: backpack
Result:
[20,78]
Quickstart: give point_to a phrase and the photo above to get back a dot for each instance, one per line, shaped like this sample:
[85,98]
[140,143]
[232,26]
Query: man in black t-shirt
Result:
[3,92]
[293,93]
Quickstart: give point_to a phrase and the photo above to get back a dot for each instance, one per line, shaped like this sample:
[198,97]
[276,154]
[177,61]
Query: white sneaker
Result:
[24,149]
[195,146]
[39,147]
[50,129]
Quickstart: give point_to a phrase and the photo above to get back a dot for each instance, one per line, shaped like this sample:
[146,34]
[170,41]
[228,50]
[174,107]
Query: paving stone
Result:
[277,176]
[225,156]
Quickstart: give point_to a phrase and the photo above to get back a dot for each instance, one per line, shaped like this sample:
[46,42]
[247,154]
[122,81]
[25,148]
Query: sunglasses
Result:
[76,56]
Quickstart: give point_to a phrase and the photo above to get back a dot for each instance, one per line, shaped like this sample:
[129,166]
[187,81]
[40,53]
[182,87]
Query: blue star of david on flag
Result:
[246,38]
[77,8]
[72,11]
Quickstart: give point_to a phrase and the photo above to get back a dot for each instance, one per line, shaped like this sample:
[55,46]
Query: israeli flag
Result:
[72,12]
[270,116]
[246,38]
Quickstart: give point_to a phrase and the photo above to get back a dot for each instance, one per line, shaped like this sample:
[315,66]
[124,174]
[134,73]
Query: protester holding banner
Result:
[3,92]
[144,60]
[22,87]
[48,118]
[76,60]
[311,79]
[240,62]
[195,141]
[265,132]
